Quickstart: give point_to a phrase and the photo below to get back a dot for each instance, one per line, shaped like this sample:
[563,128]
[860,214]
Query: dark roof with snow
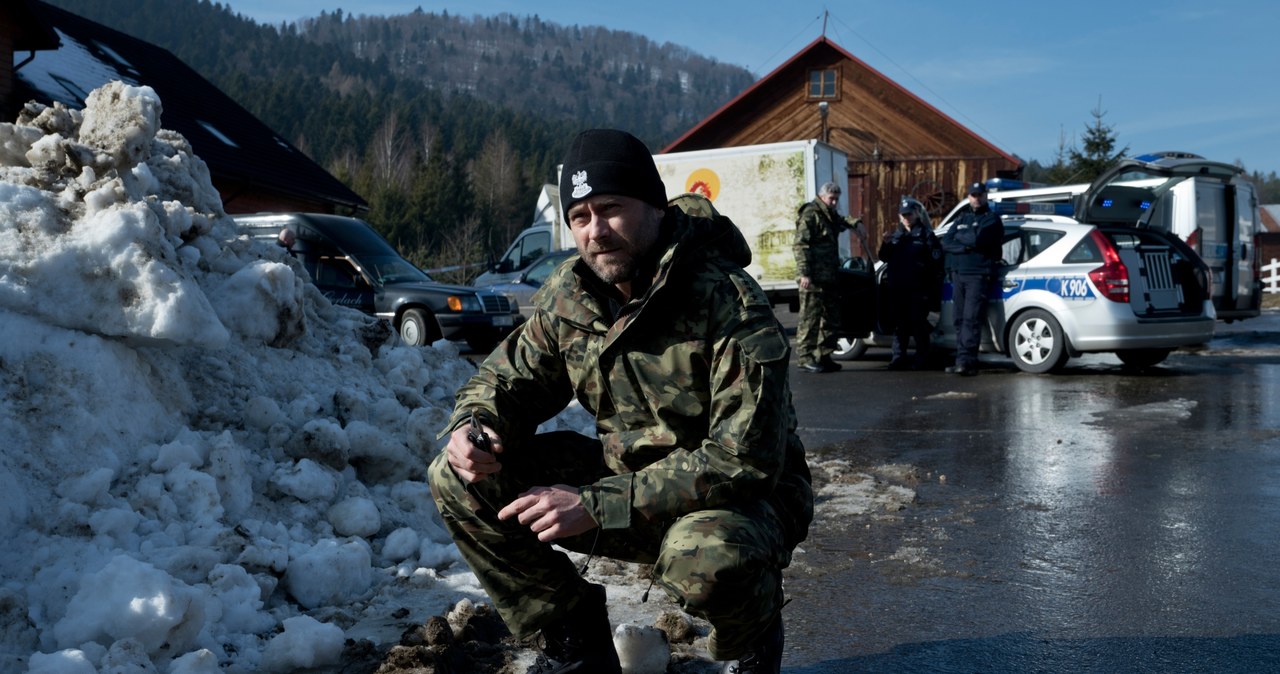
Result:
[1270,214]
[245,157]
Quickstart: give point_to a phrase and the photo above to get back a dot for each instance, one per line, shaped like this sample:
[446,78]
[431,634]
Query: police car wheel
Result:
[1036,342]
[850,349]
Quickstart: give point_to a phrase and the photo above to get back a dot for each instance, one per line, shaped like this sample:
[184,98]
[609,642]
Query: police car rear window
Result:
[1085,251]
[1038,240]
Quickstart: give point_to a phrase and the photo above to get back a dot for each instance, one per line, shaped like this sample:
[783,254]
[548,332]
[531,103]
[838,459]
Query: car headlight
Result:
[465,303]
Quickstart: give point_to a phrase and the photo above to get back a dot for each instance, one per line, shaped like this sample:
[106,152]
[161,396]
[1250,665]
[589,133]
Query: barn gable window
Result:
[824,84]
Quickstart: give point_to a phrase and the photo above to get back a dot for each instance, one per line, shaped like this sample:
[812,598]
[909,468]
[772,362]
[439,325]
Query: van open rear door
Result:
[1244,298]
[1204,202]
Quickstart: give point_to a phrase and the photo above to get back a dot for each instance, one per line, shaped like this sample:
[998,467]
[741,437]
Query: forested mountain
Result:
[580,73]
[446,125]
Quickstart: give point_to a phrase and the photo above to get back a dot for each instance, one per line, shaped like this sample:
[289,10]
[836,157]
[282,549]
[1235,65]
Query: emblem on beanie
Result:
[580,186]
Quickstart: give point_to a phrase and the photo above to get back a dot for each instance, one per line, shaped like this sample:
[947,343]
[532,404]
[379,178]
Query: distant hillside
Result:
[446,126]
[586,74]
[567,77]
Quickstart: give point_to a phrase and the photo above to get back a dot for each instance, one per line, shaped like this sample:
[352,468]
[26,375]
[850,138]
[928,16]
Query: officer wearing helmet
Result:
[913,279]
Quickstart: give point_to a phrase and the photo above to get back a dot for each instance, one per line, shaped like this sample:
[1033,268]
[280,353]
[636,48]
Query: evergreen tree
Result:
[391,213]
[1098,153]
[1268,186]
[442,200]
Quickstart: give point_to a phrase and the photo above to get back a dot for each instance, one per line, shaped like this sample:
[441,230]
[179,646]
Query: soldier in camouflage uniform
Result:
[654,328]
[817,251]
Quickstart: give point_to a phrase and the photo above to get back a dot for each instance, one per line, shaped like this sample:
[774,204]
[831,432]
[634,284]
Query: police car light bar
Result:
[1028,208]
[996,184]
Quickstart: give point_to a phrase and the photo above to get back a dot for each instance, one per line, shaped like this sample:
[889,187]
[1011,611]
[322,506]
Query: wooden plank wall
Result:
[939,184]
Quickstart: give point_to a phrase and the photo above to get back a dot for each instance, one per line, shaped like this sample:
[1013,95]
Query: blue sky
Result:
[1200,77]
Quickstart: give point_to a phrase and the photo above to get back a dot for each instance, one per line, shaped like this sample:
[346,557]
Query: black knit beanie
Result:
[608,161]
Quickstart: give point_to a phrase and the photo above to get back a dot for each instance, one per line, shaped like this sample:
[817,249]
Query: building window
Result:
[824,84]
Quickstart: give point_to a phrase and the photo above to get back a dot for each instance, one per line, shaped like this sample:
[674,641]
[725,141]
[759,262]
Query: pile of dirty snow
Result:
[206,466]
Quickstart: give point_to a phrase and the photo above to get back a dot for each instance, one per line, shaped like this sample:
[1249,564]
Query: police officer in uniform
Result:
[972,247]
[913,279]
[695,466]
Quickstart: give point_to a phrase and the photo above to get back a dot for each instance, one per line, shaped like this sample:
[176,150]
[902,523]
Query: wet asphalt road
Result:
[1097,520]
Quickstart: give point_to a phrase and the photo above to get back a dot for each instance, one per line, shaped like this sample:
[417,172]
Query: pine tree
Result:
[1098,153]
[442,199]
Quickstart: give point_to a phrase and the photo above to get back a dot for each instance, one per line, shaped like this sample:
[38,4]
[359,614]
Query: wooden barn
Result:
[897,144]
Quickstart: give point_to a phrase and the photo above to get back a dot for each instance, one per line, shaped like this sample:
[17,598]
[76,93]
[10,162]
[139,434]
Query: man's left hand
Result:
[550,512]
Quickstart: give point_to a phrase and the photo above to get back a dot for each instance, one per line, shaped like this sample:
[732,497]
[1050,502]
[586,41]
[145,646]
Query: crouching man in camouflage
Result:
[697,469]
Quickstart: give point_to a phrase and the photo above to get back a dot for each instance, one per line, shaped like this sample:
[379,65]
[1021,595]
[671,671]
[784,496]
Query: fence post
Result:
[1271,276]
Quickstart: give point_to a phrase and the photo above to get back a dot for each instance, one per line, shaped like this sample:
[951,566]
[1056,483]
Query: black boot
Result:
[581,640]
[765,657]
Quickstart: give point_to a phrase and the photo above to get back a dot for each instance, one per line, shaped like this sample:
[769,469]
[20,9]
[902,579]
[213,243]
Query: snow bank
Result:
[206,467]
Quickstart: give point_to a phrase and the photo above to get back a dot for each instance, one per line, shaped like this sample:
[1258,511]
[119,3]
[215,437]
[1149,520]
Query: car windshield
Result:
[393,269]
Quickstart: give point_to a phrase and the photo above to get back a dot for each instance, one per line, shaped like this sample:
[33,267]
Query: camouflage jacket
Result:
[817,242]
[688,383]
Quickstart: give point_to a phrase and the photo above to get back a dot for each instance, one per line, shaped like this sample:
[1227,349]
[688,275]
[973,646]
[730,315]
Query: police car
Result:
[1098,281]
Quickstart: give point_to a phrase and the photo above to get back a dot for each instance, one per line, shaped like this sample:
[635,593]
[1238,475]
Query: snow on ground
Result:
[199,452]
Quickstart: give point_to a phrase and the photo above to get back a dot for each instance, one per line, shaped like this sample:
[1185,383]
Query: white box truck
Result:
[759,187]
[1214,211]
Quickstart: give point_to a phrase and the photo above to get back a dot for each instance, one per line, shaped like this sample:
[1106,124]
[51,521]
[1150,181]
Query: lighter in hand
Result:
[477,436]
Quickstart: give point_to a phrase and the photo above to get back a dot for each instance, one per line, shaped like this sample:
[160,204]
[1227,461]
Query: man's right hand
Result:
[470,462]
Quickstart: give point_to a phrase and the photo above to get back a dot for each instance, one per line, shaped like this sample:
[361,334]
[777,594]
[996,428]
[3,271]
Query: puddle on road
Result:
[952,395]
[1163,412]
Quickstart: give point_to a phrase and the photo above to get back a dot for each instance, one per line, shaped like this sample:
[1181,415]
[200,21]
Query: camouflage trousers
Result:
[817,332]
[723,565]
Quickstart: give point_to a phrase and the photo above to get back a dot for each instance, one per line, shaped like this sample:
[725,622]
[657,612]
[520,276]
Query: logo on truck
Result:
[703,181]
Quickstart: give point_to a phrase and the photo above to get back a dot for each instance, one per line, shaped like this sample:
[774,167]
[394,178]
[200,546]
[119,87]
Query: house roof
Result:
[237,147]
[1270,214]
[747,99]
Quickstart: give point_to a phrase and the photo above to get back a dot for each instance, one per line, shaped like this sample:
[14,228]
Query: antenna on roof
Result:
[825,14]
